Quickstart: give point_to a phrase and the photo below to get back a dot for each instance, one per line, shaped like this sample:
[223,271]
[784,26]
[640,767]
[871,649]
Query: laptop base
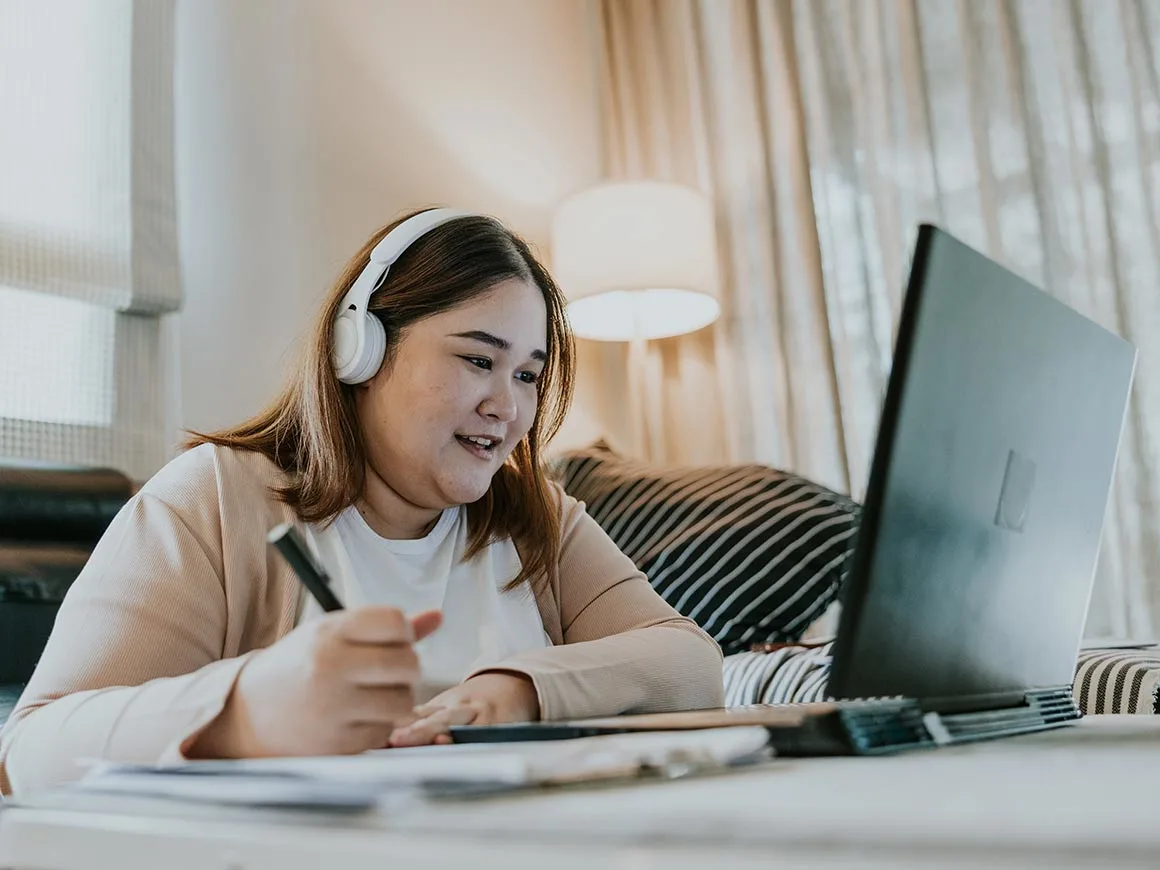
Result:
[884,727]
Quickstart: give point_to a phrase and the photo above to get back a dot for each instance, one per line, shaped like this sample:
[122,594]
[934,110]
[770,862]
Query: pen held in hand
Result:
[285,538]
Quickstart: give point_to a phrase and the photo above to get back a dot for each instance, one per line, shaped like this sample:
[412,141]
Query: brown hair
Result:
[311,430]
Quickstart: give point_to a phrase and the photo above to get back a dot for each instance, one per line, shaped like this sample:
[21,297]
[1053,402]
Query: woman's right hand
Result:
[335,685]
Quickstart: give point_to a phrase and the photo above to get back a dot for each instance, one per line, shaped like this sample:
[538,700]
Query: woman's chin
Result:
[462,492]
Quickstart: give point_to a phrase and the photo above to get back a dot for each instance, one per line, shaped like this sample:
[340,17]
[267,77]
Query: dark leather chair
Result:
[50,519]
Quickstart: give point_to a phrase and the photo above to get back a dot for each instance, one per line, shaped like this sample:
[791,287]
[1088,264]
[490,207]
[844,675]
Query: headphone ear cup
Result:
[355,364]
[374,348]
[343,345]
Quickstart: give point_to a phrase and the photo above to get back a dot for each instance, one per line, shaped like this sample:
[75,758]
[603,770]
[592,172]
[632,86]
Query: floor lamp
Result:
[637,261]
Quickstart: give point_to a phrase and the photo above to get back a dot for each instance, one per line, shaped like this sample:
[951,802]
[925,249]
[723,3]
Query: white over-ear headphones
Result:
[359,339]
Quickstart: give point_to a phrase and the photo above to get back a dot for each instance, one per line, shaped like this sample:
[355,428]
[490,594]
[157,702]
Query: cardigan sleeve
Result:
[134,666]
[625,649]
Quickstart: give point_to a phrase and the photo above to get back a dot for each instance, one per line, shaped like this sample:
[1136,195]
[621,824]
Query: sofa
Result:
[757,557]
[50,519]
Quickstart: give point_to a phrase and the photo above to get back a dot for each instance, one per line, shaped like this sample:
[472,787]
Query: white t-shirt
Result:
[482,624]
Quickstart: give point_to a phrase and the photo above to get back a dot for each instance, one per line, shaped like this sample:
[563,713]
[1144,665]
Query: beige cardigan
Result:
[183,588]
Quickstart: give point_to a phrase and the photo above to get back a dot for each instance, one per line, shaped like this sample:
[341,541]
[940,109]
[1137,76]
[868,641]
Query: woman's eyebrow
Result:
[497,342]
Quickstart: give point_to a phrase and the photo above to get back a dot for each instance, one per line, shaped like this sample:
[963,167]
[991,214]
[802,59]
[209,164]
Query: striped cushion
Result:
[1106,681]
[1118,681]
[750,553]
[790,675]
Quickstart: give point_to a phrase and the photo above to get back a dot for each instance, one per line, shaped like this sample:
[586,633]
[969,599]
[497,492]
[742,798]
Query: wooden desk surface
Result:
[1079,796]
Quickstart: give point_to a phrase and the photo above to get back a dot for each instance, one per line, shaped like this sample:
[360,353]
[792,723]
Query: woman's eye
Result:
[528,377]
[480,362]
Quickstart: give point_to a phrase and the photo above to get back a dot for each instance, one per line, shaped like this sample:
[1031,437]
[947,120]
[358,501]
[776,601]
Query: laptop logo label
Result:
[1015,497]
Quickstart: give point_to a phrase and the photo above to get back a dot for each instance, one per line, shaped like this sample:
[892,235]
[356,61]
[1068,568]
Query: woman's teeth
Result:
[478,445]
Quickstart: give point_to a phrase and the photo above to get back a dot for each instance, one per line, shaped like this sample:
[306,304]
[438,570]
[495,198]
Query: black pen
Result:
[286,539]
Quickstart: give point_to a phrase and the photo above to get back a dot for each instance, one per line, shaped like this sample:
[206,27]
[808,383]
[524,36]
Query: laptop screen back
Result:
[995,454]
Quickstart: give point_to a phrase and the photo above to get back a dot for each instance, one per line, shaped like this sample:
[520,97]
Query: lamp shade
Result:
[636,260]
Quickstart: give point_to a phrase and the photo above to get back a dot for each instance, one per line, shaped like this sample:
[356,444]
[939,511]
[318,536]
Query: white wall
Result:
[303,125]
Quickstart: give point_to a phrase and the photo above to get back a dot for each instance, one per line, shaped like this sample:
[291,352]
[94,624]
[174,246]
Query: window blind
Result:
[88,240]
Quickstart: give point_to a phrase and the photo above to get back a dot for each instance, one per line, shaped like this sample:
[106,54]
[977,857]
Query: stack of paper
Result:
[360,781]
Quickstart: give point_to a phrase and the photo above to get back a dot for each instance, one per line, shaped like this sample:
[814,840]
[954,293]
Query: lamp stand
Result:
[644,409]
[637,375]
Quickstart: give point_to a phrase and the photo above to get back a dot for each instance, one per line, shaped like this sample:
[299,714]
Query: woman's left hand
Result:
[486,699]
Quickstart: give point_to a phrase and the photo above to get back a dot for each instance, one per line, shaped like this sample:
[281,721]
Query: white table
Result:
[1080,796]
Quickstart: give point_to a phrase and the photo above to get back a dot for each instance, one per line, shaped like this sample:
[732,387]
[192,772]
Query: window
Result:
[88,249]
[57,358]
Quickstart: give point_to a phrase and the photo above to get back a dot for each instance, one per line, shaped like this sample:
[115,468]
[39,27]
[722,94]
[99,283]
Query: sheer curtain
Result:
[88,243]
[827,130]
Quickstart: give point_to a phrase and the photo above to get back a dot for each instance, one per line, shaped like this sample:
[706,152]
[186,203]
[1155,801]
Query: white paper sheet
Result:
[357,780]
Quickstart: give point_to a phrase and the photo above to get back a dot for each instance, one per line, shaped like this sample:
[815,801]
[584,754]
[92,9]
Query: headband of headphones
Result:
[359,339]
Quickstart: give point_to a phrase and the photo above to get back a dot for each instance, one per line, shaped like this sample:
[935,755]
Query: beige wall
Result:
[302,125]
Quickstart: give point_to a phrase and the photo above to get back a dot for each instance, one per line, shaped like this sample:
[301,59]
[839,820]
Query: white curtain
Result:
[827,130]
[88,242]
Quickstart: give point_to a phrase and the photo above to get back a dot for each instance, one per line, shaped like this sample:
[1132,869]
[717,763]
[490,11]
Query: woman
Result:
[407,447]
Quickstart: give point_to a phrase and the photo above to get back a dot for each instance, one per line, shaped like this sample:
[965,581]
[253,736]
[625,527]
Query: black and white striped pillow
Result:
[1118,681]
[752,554]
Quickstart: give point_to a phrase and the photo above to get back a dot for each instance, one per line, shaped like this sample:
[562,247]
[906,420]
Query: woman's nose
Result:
[500,404]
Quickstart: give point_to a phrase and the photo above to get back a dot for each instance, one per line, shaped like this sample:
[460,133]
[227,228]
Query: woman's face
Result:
[440,419]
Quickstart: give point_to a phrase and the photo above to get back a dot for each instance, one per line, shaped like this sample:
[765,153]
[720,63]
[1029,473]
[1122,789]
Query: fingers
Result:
[433,726]
[379,665]
[380,624]
[373,624]
[426,623]
[381,705]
